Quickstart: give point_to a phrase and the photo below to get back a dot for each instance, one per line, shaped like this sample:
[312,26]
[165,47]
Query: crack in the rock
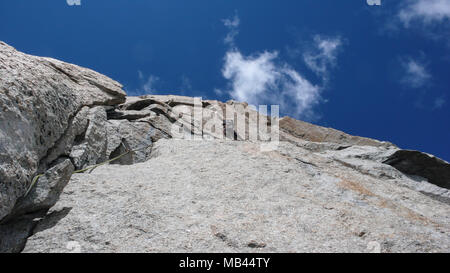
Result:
[43,164]
[58,69]
[121,97]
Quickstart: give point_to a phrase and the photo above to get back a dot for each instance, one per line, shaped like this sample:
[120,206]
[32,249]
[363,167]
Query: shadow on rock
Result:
[435,170]
[51,219]
[14,233]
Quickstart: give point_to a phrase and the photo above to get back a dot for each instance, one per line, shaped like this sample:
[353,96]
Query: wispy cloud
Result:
[148,83]
[186,84]
[262,78]
[415,73]
[424,11]
[427,18]
[323,55]
[233,29]
[140,75]
[439,102]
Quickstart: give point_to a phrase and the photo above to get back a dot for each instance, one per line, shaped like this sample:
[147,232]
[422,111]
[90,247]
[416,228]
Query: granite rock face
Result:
[229,196]
[39,98]
[436,170]
[187,174]
[293,129]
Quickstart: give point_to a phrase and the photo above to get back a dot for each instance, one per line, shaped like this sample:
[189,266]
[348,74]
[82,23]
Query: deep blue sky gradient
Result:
[178,39]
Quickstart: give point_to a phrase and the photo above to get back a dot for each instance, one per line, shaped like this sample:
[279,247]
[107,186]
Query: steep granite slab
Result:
[228,196]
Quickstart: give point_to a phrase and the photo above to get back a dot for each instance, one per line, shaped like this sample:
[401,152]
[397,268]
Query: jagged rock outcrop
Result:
[39,99]
[436,170]
[200,175]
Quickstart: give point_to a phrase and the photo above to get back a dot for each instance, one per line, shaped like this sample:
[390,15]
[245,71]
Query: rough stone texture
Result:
[90,148]
[75,134]
[307,131]
[228,196]
[39,97]
[14,233]
[320,189]
[45,194]
[436,170]
[124,135]
[169,113]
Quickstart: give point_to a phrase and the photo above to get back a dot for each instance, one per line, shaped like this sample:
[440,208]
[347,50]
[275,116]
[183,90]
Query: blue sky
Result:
[374,71]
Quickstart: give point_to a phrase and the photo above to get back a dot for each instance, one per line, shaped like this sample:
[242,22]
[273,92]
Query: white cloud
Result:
[425,11]
[186,84]
[219,92]
[323,55]
[148,83]
[232,25]
[260,80]
[140,75]
[439,102]
[415,73]
[251,76]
